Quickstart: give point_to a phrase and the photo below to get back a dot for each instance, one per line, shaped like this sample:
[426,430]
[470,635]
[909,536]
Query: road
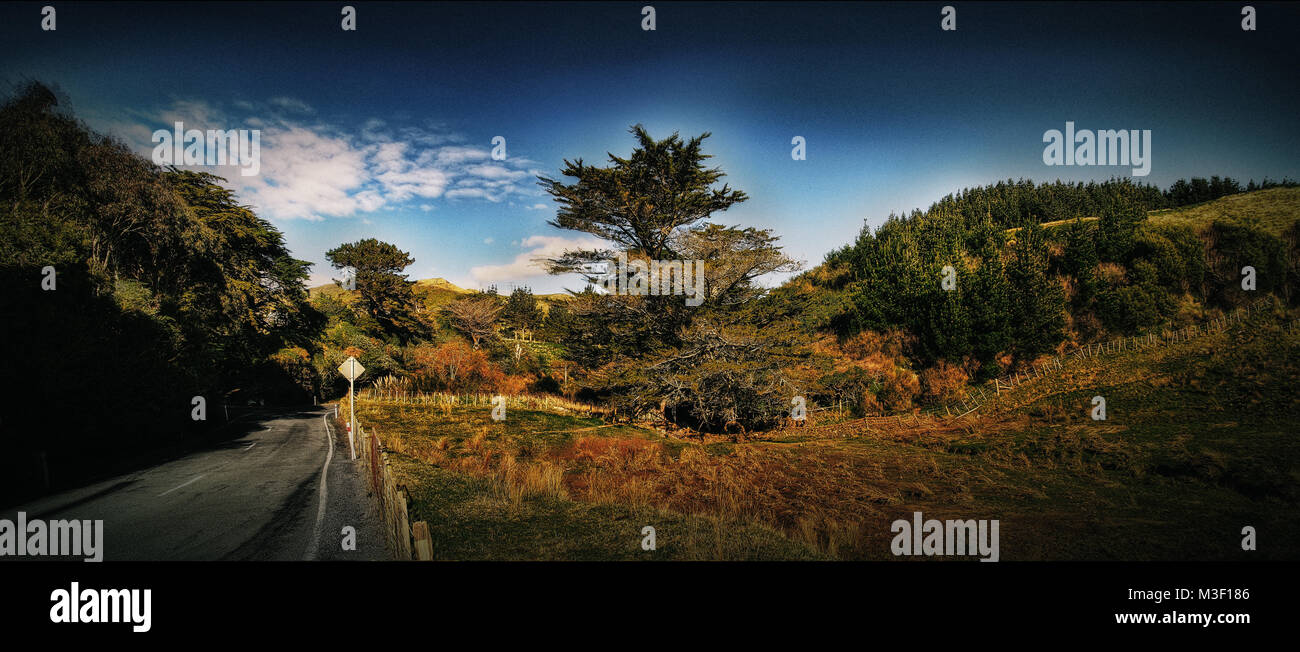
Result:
[280,486]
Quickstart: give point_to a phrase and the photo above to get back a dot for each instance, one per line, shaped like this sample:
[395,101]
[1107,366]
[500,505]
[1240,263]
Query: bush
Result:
[1130,309]
[454,367]
[1234,246]
[898,389]
[943,382]
[851,388]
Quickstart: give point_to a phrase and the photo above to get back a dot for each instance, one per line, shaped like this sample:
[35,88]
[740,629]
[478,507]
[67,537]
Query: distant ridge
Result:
[437,285]
[441,284]
[426,283]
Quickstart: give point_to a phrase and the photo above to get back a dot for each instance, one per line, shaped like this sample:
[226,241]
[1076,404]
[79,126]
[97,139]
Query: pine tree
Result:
[990,307]
[1037,299]
[521,310]
[385,292]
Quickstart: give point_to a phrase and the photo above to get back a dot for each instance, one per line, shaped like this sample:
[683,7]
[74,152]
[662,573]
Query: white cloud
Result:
[454,154]
[291,104]
[305,174]
[313,170]
[470,193]
[495,172]
[525,267]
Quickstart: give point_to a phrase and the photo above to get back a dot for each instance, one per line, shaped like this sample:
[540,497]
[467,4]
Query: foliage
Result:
[475,317]
[165,289]
[521,311]
[385,292]
[453,367]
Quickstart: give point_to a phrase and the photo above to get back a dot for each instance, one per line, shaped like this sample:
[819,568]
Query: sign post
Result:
[351,369]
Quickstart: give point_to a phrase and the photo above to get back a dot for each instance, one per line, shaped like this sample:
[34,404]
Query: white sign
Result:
[351,369]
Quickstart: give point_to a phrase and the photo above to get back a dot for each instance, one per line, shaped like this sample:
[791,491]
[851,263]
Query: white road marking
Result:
[250,445]
[185,484]
[324,492]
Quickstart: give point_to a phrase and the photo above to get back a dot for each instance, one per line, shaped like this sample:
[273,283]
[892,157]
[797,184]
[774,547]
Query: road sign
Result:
[351,369]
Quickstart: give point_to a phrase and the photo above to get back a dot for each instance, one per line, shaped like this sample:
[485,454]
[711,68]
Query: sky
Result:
[387,131]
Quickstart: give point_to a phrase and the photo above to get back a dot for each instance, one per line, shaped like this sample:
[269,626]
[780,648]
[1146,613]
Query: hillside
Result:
[1276,209]
[1137,486]
[441,284]
[433,293]
[426,285]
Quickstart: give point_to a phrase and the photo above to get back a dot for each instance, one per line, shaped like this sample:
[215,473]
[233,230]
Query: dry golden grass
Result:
[447,402]
[1033,461]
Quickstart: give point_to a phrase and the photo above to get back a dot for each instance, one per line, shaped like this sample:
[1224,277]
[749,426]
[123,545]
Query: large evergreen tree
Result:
[385,292]
[703,364]
[521,311]
[1037,305]
[641,202]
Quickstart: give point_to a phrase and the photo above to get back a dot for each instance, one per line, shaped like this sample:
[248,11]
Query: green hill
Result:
[1275,209]
[433,294]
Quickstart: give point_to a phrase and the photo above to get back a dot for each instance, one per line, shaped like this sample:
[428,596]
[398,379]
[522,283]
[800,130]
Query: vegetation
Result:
[1029,291]
[549,481]
[135,288]
[132,289]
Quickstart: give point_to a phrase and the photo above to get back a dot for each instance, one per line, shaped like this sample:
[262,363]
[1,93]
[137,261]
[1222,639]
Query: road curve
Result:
[281,487]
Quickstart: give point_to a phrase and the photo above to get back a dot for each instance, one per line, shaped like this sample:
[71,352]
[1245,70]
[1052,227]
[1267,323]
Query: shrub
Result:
[454,367]
[943,382]
[898,389]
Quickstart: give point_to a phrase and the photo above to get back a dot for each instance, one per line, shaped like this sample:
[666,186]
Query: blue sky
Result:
[386,131]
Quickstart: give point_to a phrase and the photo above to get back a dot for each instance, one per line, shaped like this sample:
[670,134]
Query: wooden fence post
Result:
[423,542]
[403,524]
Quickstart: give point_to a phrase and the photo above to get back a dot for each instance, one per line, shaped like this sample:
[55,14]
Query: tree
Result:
[559,321]
[711,363]
[990,308]
[385,292]
[734,258]
[521,311]
[1079,260]
[475,317]
[1037,299]
[644,206]
[640,202]
[1115,232]
[167,288]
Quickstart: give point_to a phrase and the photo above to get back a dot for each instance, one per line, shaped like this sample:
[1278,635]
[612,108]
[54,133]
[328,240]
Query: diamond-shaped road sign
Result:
[351,369]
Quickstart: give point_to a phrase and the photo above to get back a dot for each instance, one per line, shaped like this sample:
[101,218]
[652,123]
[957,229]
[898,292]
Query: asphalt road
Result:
[279,487]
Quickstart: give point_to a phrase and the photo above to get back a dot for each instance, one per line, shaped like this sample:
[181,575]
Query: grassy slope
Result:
[433,293]
[1275,208]
[1198,444]
[478,510]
